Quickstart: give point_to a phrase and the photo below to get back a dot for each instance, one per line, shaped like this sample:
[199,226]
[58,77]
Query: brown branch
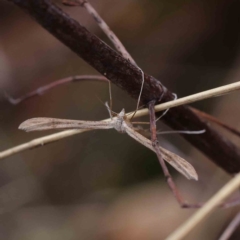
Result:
[128,77]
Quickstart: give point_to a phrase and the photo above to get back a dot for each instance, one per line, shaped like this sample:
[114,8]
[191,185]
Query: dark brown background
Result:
[101,184]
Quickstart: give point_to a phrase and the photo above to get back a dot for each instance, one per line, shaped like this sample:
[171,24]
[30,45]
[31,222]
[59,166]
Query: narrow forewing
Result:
[174,160]
[39,124]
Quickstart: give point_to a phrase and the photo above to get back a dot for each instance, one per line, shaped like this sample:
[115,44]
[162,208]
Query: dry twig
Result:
[43,89]
[230,228]
[206,210]
[128,77]
[140,113]
[217,121]
[103,25]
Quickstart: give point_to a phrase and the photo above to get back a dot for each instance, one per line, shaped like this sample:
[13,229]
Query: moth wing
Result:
[181,165]
[40,124]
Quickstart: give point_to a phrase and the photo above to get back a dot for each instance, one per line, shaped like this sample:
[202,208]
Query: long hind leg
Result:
[167,175]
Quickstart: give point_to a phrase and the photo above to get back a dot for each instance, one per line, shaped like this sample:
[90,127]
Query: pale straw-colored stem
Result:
[230,228]
[106,29]
[57,136]
[40,142]
[114,39]
[193,98]
[202,213]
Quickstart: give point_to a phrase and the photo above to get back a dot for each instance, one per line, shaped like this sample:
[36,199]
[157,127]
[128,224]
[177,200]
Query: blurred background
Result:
[102,184]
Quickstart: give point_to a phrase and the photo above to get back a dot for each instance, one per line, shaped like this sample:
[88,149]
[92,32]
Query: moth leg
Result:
[171,184]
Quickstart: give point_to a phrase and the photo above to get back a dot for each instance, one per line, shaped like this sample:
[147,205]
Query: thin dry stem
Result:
[165,112]
[231,228]
[57,136]
[103,25]
[106,29]
[217,121]
[114,39]
[111,35]
[127,76]
[194,98]
[43,89]
[40,142]
[208,208]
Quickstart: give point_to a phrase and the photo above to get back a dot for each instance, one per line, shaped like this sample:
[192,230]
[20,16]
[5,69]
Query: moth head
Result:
[122,113]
